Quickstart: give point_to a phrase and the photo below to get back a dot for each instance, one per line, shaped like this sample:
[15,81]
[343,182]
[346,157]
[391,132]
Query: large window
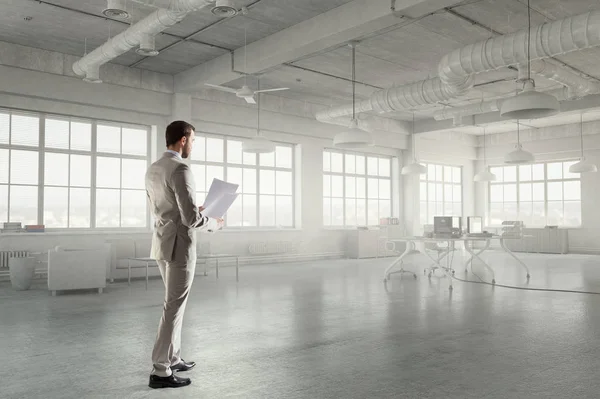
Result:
[53,169]
[356,189]
[266,180]
[540,194]
[441,192]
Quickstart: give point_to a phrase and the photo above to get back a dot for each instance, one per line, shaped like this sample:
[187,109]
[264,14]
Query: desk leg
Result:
[147,276]
[129,272]
[475,255]
[217,268]
[410,246]
[439,265]
[508,251]
[237,268]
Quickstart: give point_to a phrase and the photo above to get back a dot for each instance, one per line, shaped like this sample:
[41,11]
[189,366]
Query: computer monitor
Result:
[474,225]
[442,224]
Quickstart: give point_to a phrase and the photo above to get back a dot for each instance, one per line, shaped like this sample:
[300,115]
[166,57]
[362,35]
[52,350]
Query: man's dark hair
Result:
[176,130]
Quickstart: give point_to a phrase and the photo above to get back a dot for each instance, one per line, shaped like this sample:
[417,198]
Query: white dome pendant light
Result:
[486,175]
[354,137]
[583,166]
[258,144]
[414,168]
[529,104]
[519,155]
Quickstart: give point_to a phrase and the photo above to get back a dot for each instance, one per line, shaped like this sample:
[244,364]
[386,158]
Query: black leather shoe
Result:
[183,366]
[171,381]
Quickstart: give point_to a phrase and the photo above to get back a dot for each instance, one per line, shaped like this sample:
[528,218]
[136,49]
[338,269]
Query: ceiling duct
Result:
[224,9]
[116,9]
[132,37]
[147,46]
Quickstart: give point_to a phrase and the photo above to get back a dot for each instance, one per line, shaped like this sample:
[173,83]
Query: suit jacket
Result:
[171,191]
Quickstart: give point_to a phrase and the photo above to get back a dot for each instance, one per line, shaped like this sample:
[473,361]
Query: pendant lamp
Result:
[519,155]
[486,175]
[414,168]
[583,166]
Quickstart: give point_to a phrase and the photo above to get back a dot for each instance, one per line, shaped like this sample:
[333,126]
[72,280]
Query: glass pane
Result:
[81,171]
[510,193]
[448,209]
[372,166]
[456,175]
[337,186]
[525,192]
[423,176]
[567,174]
[25,130]
[538,171]
[56,170]
[572,213]
[555,170]
[234,216]
[361,187]
[283,183]
[496,193]
[285,214]
[24,204]
[326,186]
[555,191]
[213,172]
[496,213]
[267,159]
[234,155]
[134,172]
[525,172]
[457,193]
[79,208]
[373,213]
[439,192]
[56,207]
[249,159]
[361,212]
[235,176]
[431,192]
[511,211]
[81,136]
[337,212]
[385,189]
[373,188]
[360,165]
[326,161]
[337,162]
[457,209]
[572,190]
[135,141]
[267,210]
[133,208]
[538,192]
[432,210]
[510,173]
[250,181]
[555,213]
[57,134]
[350,187]
[448,192]
[3,202]
[267,183]
[326,211]
[107,208]
[108,139]
[538,217]
[283,157]
[385,209]
[108,172]
[249,204]
[526,212]
[199,150]
[423,191]
[350,163]
[447,174]
[439,172]
[4,130]
[423,212]
[385,167]
[499,172]
[24,167]
[199,172]
[3,165]
[350,212]
[214,149]
[439,208]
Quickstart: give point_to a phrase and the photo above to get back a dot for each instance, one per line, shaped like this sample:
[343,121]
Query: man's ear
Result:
[184,140]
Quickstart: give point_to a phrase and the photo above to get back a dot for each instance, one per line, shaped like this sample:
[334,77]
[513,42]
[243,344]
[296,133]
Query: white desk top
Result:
[456,239]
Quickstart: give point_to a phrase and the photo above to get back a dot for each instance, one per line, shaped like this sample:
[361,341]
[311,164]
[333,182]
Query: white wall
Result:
[557,143]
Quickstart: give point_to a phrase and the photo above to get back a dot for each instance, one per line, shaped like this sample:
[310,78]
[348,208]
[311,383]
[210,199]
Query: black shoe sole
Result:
[158,385]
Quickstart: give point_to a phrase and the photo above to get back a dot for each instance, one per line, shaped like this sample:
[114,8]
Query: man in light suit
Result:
[171,192]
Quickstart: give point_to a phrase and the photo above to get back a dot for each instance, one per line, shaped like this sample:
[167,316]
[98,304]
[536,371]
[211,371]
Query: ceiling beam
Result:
[331,29]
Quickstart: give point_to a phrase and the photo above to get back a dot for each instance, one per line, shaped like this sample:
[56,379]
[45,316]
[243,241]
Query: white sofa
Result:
[74,269]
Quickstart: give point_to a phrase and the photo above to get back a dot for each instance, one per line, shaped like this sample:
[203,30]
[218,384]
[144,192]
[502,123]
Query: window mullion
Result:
[41,163]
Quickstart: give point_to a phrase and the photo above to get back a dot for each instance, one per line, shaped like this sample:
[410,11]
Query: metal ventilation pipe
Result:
[152,25]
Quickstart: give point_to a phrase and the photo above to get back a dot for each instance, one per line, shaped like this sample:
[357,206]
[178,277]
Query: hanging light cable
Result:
[486,175]
[414,168]
[582,166]
[519,155]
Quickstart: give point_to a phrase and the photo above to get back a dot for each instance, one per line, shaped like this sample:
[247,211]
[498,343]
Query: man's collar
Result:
[178,155]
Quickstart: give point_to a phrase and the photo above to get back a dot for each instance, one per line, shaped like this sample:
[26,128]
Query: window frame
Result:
[424,178]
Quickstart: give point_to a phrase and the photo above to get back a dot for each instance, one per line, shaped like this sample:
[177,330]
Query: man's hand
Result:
[201,208]
[220,223]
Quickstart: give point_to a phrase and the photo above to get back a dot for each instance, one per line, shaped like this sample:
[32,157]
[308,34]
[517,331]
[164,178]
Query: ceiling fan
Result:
[245,92]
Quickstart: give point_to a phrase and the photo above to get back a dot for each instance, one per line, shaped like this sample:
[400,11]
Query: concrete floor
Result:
[318,330]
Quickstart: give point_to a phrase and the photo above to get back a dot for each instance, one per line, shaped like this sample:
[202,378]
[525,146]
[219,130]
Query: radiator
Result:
[6,255]
[549,241]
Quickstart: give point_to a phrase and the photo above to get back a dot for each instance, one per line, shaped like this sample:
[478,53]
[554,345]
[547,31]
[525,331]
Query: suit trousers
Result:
[178,278]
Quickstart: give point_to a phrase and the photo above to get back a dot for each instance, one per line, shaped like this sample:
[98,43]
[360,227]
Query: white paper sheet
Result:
[219,199]
[219,208]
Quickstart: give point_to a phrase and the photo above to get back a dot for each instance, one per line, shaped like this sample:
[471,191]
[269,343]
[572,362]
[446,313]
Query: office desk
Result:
[475,253]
